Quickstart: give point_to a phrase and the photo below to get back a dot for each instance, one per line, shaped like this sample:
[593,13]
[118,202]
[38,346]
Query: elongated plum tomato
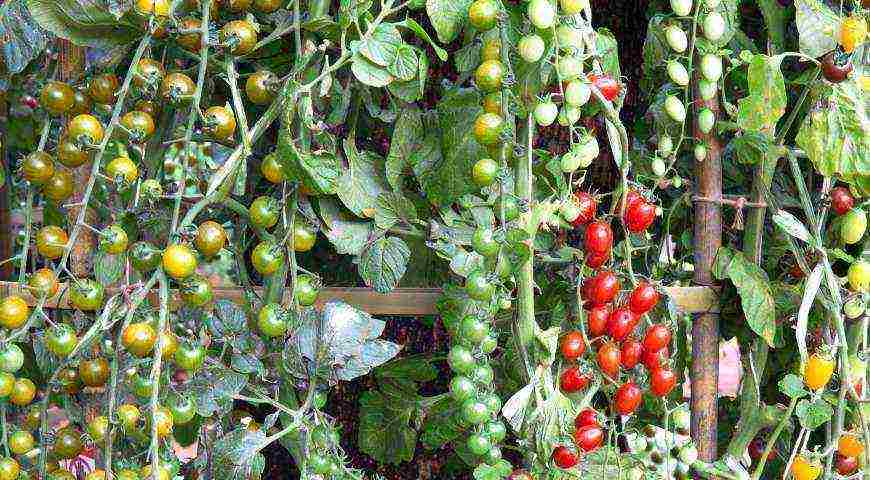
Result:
[586,417]
[661,381]
[842,200]
[643,298]
[631,352]
[603,288]
[596,320]
[627,398]
[609,357]
[588,438]
[587,205]
[565,457]
[653,359]
[606,84]
[573,379]
[621,323]
[657,337]
[598,237]
[572,345]
[596,260]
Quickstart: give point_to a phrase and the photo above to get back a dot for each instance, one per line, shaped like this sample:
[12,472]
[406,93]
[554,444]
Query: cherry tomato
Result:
[859,276]
[627,398]
[804,469]
[460,359]
[609,357]
[589,437]
[606,84]
[23,392]
[148,72]
[37,168]
[70,155]
[190,40]
[264,212]
[57,98]
[483,242]
[196,291]
[653,359]
[94,373]
[139,339]
[9,469]
[11,358]
[639,216]
[604,287]
[103,88]
[658,336]
[61,340]
[183,410]
[271,320]
[144,256]
[240,36]
[586,417]
[573,380]
[219,123]
[304,236]
[492,103]
[491,49]
[305,291]
[833,70]
[598,237]
[474,412]
[841,200]
[237,6]
[13,312]
[158,8]
[662,381]
[176,87]
[846,465]
[483,14]
[488,76]
[87,295]
[596,260]
[267,258]
[596,320]
[21,442]
[643,298]
[565,457]
[190,357]
[478,287]
[621,323]
[98,474]
[43,283]
[85,129]
[488,128]
[128,415]
[818,371]
[631,352]
[271,169]
[67,443]
[484,172]
[163,419]
[59,187]
[113,240]
[572,345]
[850,445]
[139,125]
[267,6]
[179,261]
[81,103]
[587,205]
[210,238]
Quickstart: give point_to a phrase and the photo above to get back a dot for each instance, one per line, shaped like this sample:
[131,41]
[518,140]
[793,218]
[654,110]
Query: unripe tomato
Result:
[128,415]
[113,240]
[483,242]
[61,340]
[572,345]
[676,38]
[700,152]
[460,359]
[662,381]
[570,39]
[219,123]
[841,200]
[492,103]
[164,472]
[123,169]
[21,442]
[531,48]
[23,392]
[210,238]
[542,13]
[139,339]
[9,469]
[706,120]
[13,312]
[478,444]
[85,128]
[148,72]
[483,14]
[621,323]
[577,93]
[681,7]
[70,155]
[818,371]
[627,398]
[57,98]
[11,358]
[267,6]
[103,88]
[609,358]
[804,469]
[183,410]
[260,87]
[675,108]
[196,291]
[859,276]
[264,212]
[573,7]
[176,87]
[545,113]
[474,412]
[631,352]
[7,381]
[714,26]
[589,437]
[87,295]
[94,373]
[488,76]
[37,168]
[267,258]
[491,49]
[67,443]
[478,287]
[144,257]
[158,8]
[565,457]
[569,67]
[850,445]
[43,283]
[853,226]
[462,388]
[304,236]
[190,357]
[580,155]
[179,261]
[59,187]
[240,36]
[271,169]
[711,67]
[573,380]
[163,419]
[643,298]
[270,320]
[484,172]
[139,125]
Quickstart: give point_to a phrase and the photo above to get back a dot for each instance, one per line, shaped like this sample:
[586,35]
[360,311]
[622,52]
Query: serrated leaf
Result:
[235,453]
[384,431]
[348,234]
[442,424]
[214,387]
[756,295]
[226,319]
[88,23]
[447,17]
[382,45]
[382,265]
[404,66]
[813,414]
[766,102]
[792,386]
[23,38]
[467,58]
[407,136]
[369,73]
[392,209]
[108,268]
[317,167]
[360,184]
[421,33]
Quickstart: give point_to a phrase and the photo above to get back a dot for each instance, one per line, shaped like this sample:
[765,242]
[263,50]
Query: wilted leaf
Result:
[792,226]
[756,295]
[766,102]
[818,27]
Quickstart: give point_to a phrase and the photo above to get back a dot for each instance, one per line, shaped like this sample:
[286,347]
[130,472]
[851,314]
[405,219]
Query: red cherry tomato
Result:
[639,216]
[565,457]
[596,321]
[643,298]
[621,322]
[846,465]
[631,197]
[842,200]
[596,260]
[586,417]
[653,359]
[572,345]
[599,237]
[573,380]
[631,352]
[608,86]
[609,357]
[657,337]
[627,398]
[661,381]
[589,437]
[587,205]
[604,287]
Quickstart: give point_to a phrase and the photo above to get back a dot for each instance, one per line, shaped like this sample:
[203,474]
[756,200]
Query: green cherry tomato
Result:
[304,291]
[271,320]
[460,359]
[67,443]
[478,287]
[61,340]
[484,172]
[190,357]
[489,344]
[483,242]
[859,276]
[495,430]
[482,374]
[196,290]
[144,256]
[87,295]
[462,388]
[489,75]
[474,412]
[483,14]
[183,409]
[853,226]
[267,258]
[511,208]
[11,358]
[474,329]
[487,128]
[493,403]
[478,444]
[264,212]
[113,240]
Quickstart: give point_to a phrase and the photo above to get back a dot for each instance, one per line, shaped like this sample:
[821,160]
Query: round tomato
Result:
[139,125]
[190,357]
[196,290]
[9,469]
[586,417]
[103,88]
[271,169]
[489,74]
[483,242]
[148,72]
[850,445]
[842,200]
[239,36]
[565,457]
[219,123]
[61,340]
[572,345]
[483,14]
[190,39]
[163,419]
[542,13]
[462,388]
[639,216]
[70,155]
[264,212]
[460,359]
[478,444]
[57,98]
[608,87]
[479,287]
[586,206]
[847,465]
[87,295]
[488,128]
[122,169]
[589,437]
[267,258]
[23,392]
[139,339]
[658,336]
[21,442]
[176,87]
[179,261]
[818,371]
[627,398]
[94,373]
[304,236]
[43,283]
[305,291]
[11,358]
[128,415]
[113,239]
[859,276]
[474,412]
[183,410]
[267,6]
[492,103]
[144,256]
[609,358]
[531,48]
[573,380]
[484,172]
[210,238]
[59,187]
[271,320]
[805,469]
[621,323]
[67,443]
[13,312]
[37,168]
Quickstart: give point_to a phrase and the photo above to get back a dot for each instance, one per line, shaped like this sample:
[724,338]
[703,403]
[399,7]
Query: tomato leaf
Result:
[792,386]
[382,265]
[753,286]
[813,414]
[404,67]
[811,289]
[407,137]
[360,184]
[90,23]
[764,106]
[382,47]
[214,387]
[421,33]
[792,226]
[384,431]
[447,16]
[235,453]
[818,27]
[23,38]
[347,233]
[393,209]
[369,73]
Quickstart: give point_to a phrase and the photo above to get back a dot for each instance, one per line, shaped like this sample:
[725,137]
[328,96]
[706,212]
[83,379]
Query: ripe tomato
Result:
[596,320]
[573,345]
[588,438]
[587,205]
[627,398]
[653,359]
[598,237]
[853,31]
[631,352]
[662,381]
[805,469]
[586,417]
[818,371]
[833,70]
[565,457]
[148,72]
[179,261]
[621,323]
[61,340]
[94,373]
[606,84]
[37,168]
[643,298]
[657,337]
[573,380]
[139,339]
[240,36]
[841,200]
[604,287]
[9,469]
[57,98]
[267,258]
[219,123]
[13,312]
[609,357]
[122,169]
[846,465]
[596,260]
[850,445]
[639,216]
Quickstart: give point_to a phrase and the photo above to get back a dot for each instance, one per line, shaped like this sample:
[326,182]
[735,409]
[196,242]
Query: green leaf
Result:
[348,234]
[317,168]
[404,67]
[485,471]
[792,386]
[382,265]
[406,91]
[382,47]
[834,136]
[447,17]
[753,286]
[407,137]
[384,430]
[227,319]
[417,368]
[369,73]
[442,424]
[751,147]
[813,414]
[792,226]
[393,208]
[235,453]
[418,30]
[360,184]
[350,10]
[23,38]
[214,387]
[818,27]
[766,102]
[108,268]
[775,19]
[607,49]
[467,58]
[89,23]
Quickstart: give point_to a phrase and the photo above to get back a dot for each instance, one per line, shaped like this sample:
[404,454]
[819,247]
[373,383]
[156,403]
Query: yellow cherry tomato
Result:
[818,371]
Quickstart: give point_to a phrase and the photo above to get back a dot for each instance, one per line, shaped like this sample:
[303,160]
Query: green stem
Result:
[525,314]
[156,364]
[756,475]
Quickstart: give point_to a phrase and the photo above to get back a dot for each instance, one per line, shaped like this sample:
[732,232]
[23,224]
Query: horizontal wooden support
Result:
[409,302]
